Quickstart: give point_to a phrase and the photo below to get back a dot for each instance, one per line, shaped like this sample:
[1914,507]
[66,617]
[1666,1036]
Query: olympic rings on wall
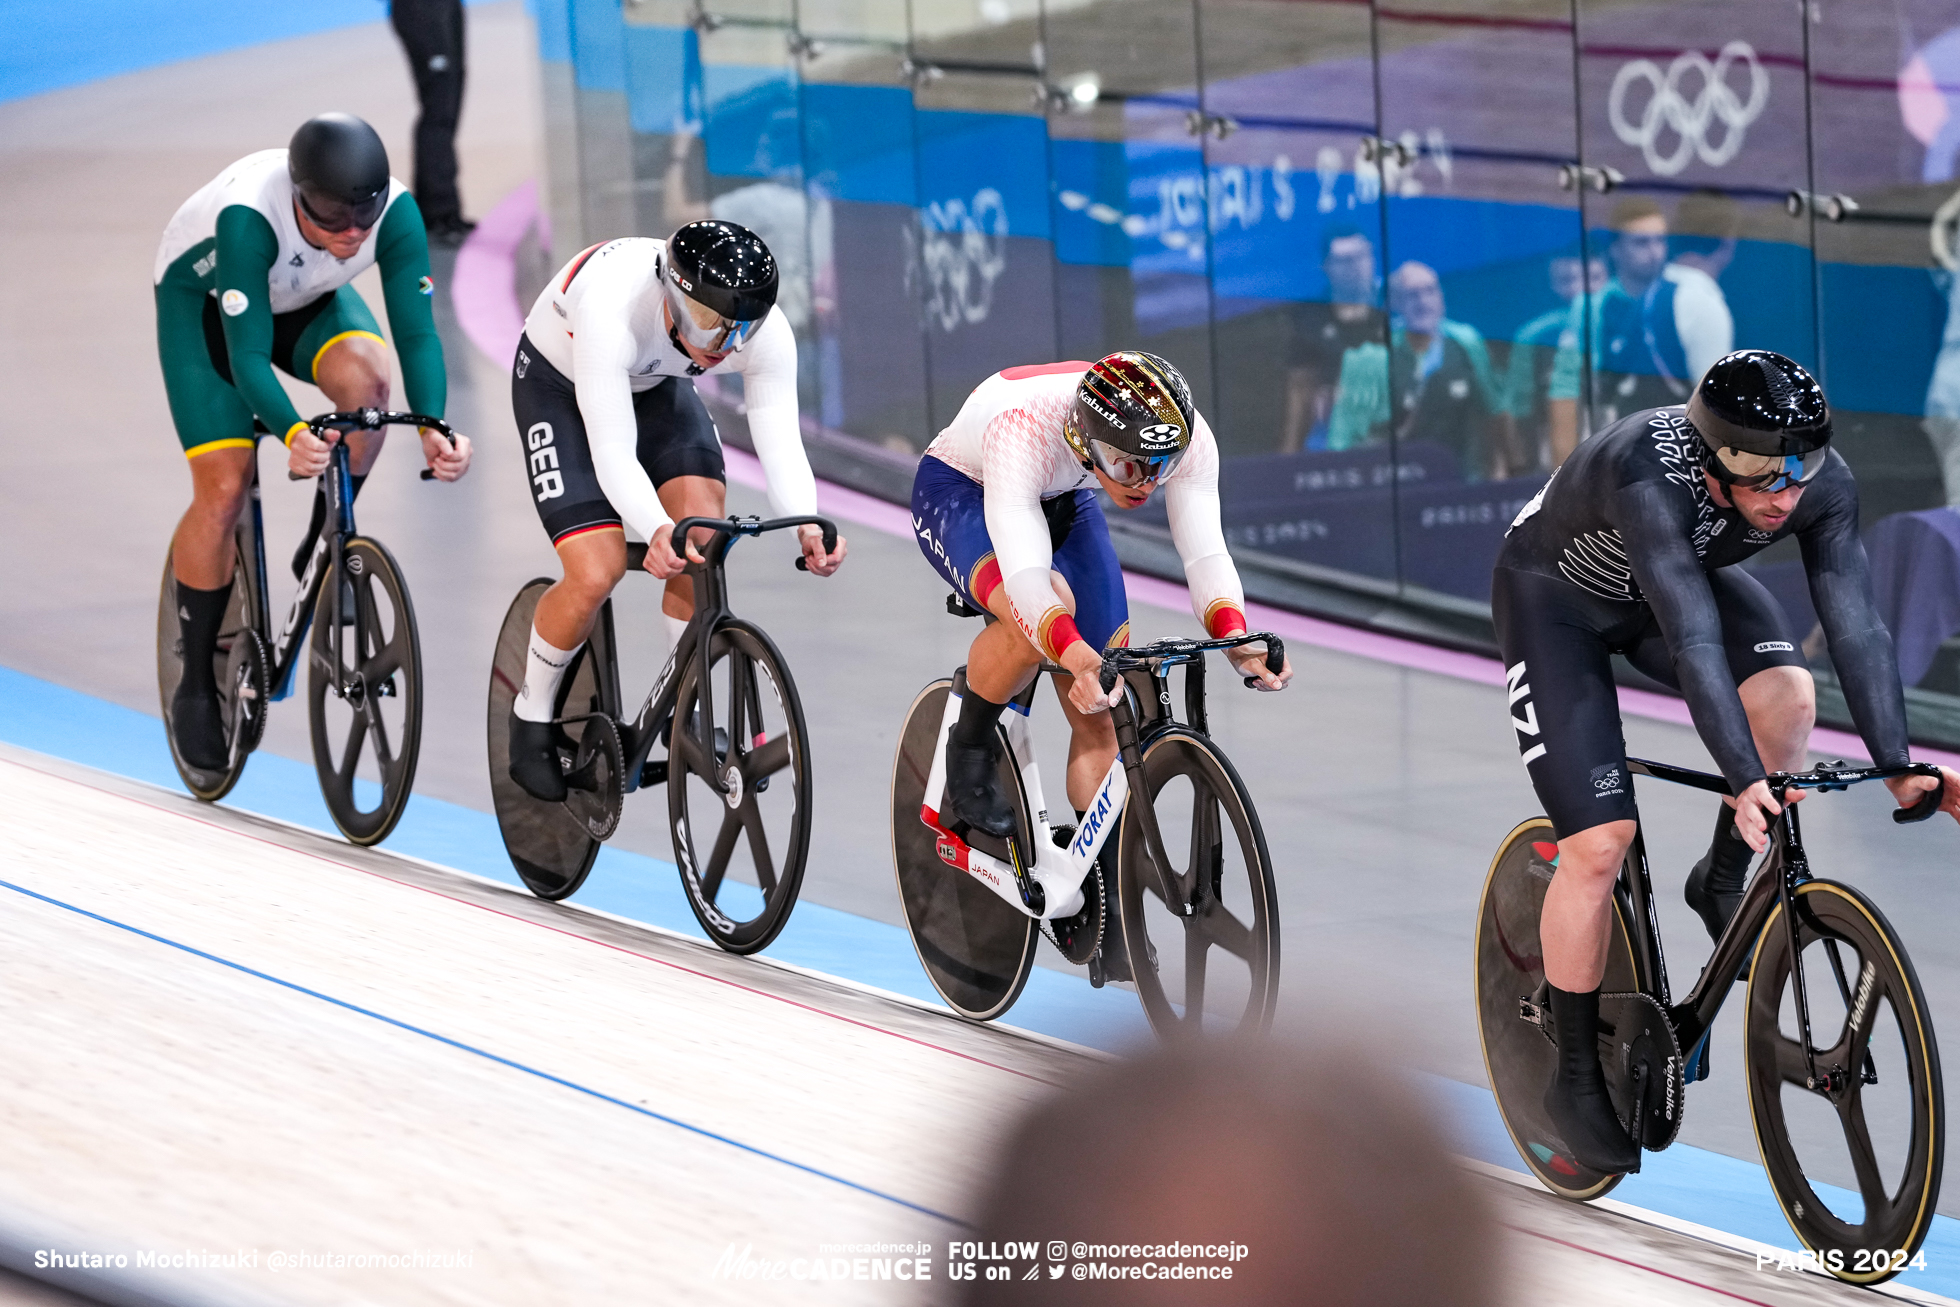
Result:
[1669,112]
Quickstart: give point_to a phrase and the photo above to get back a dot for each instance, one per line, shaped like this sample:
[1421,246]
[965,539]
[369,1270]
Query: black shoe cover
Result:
[534,761]
[973,792]
[1714,896]
[1576,1100]
[199,727]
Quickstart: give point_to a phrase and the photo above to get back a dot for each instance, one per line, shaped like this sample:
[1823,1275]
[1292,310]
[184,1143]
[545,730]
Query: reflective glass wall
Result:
[1408,256]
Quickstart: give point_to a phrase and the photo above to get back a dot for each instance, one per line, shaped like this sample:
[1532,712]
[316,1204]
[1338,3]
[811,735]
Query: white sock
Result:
[675,625]
[544,667]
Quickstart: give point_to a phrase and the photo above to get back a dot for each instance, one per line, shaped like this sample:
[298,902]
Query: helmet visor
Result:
[1127,469]
[702,327]
[335,215]
[1768,473]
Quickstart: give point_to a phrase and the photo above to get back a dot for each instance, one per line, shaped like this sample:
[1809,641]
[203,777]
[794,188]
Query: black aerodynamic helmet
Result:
[1132,418]
[340,171]
[726,269]
[1763,421]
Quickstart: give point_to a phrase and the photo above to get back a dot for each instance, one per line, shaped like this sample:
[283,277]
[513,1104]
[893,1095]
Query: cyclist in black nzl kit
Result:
[1632,548]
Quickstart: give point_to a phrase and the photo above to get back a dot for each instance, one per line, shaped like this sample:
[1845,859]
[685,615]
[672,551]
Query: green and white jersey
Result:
[238,240]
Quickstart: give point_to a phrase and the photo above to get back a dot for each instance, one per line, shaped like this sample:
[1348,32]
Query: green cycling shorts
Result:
[208,411]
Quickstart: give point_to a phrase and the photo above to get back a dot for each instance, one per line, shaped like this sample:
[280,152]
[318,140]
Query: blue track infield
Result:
[1686,1183]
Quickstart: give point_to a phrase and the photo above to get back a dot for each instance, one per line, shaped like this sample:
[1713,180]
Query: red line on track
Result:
[1696,1284]
[560,930]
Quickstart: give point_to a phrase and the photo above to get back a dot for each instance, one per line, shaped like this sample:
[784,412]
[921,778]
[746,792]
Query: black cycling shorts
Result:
[1558,641]
[677,439]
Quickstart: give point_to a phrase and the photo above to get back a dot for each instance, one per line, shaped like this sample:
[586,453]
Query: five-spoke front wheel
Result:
[738,788]
[365,691]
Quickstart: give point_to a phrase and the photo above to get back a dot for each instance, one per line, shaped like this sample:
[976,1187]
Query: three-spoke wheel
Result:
[1202,935]
[738,788]
[1862,1103]
[365,691]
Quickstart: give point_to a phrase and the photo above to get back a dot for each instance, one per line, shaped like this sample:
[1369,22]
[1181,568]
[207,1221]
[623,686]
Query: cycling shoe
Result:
[534,761]
[1576,1100]
[973,792]
[198,725]
[1714,896]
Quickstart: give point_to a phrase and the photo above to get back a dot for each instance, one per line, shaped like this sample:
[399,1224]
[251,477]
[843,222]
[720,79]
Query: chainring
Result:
[1643,1060]
[595,785]
[1078,936]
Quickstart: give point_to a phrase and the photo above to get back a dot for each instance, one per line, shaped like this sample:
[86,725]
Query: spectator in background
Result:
[1324,1168]
[431,33]
[1654,331]
[1528,377]
[1322,333]
[1433,382]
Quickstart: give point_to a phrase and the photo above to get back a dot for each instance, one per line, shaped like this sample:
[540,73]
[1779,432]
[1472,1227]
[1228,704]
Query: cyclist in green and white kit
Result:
[254,272]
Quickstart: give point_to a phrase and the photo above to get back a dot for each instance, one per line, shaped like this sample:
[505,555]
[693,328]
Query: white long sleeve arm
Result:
[1191,501]
[603,350]
[769,390]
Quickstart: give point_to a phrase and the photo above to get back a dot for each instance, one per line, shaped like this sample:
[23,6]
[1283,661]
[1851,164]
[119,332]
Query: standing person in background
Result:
[1322,333]
[431,33]
[1654,332]
[1435,372]
[1535,352]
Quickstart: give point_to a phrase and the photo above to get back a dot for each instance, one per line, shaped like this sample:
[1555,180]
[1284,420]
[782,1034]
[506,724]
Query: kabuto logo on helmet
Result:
[1164,435]
[1103,411]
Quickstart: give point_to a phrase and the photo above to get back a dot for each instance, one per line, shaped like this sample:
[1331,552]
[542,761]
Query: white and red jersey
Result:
[1008,437]
[599,321]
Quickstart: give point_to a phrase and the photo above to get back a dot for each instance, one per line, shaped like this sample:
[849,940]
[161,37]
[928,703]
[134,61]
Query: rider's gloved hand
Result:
[1909,790]
[662,561]
[448,464]
[1754,808]
[814,558]
[306,455]
[1250,659]
[1086,693]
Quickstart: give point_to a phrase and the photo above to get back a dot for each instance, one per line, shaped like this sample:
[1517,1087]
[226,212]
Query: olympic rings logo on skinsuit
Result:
[1669,113]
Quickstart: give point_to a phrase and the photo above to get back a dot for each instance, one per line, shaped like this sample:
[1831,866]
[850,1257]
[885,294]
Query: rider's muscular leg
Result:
[998,667]
[1574,923]
[593,561]
[354,374]
[1091,748]
[682,497]
[201,551]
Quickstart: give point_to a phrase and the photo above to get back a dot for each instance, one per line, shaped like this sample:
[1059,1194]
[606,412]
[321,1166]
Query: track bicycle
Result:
[737,768]
[1190,919]
[364,695]
[1839,1049]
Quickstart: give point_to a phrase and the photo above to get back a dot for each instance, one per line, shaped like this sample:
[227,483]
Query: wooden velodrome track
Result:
[228,1036]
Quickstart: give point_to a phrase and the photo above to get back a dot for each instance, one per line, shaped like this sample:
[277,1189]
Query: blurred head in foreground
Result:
[1318,1179]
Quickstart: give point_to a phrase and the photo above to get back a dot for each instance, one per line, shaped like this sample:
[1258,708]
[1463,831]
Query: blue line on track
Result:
[485,1054]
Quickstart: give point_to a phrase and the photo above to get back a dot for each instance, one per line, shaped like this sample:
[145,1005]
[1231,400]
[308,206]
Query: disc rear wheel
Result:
[1519,1054]
[976,948]
[238,668]
[551,846]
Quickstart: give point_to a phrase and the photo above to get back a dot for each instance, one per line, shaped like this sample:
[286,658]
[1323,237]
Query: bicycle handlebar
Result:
[1117,661]
[636,554]
[373,419]
[1831,776]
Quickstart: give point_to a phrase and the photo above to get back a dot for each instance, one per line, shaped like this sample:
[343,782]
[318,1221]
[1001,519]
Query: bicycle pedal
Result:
[654,772]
